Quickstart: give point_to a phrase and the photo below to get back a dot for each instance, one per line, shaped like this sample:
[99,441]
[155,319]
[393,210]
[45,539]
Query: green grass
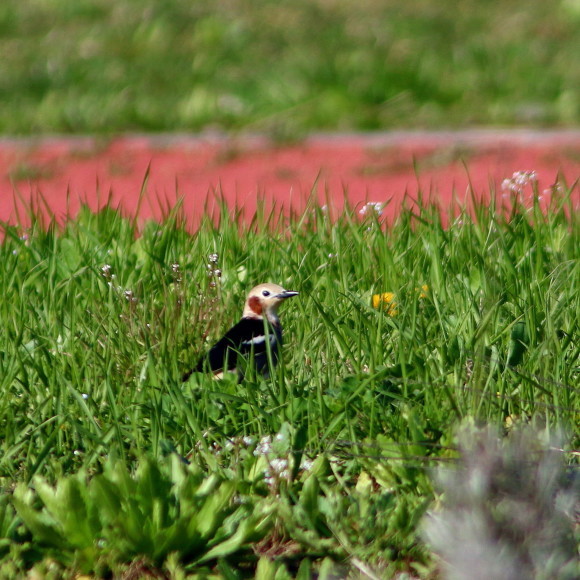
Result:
[286,67]
[91,359]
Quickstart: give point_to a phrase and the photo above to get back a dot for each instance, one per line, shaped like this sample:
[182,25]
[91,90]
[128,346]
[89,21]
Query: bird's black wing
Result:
[249,334]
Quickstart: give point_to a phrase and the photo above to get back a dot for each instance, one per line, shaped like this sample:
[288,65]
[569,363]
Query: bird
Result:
[258,327]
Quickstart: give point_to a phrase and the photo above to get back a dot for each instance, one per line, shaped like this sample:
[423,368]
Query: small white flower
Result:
[518,181]
[213,258]
[175,267]
[85,396]
[371,207]
[525,177]
[248,440]
[130,296]
[278,466]
[264,446]
[276,470]
[506,184]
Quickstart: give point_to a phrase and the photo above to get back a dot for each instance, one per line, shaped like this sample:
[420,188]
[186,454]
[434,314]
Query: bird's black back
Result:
[249,335]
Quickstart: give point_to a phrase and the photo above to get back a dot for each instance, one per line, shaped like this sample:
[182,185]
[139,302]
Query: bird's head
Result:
[263,300]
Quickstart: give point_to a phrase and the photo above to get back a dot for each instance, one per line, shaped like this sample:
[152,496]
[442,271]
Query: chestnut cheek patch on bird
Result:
[255,305]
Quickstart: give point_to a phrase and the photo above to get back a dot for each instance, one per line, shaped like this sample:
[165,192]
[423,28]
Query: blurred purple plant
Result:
[509,510]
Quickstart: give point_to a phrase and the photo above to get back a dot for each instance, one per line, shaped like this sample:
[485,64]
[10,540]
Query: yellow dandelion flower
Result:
[386,300]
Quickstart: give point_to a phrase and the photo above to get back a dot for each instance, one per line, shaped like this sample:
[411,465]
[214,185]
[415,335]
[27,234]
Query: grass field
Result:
[286,67]
[372,452]
[327,466]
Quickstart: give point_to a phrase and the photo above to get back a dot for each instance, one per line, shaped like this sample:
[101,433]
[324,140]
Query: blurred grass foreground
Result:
[286,67]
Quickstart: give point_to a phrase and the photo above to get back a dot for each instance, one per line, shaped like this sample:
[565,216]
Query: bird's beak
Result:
[287,294]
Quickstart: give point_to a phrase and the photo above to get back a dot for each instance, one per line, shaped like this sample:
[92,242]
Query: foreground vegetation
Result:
[325,467]
[285,67]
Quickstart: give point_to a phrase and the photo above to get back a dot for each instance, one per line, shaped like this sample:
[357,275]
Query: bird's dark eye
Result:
[265,293]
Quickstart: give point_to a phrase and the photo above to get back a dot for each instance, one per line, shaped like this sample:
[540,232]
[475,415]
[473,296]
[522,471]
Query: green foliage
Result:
[285,67]
[331,455]
[89,524]
[363,506]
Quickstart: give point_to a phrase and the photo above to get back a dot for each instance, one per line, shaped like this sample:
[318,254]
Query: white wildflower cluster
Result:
[277,468]
[231,444]
[276,471]
[273,455]
[107,274]
[213,271]
[176,271]
[264,446]
[518,181]
[280,463]
[129,296]
[22,238]
[372,208]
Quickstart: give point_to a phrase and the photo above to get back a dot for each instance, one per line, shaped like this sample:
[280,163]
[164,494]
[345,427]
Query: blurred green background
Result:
[286,67]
